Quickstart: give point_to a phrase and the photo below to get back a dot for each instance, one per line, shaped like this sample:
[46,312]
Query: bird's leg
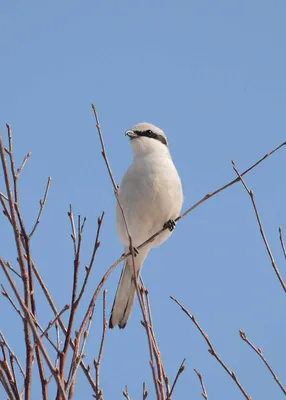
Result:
[171,224]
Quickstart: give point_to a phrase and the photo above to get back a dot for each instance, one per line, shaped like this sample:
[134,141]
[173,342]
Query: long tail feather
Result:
[126,292]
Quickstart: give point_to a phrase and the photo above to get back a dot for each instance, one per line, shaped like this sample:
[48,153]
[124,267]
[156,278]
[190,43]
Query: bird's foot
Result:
[171,224]
[135,251]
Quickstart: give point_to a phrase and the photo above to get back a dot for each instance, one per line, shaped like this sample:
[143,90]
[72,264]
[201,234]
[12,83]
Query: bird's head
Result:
[147,138]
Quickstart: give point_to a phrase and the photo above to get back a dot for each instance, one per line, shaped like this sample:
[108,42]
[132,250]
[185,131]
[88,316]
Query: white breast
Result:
[150,194]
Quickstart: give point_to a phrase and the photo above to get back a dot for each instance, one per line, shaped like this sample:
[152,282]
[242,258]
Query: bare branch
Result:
[51,323]
[27,156]
[30,320]
[160,394]
[16,230]
[204,392]
[74,304]
[42,205]
[126,394]
[258,351]
[12,354]
[70,385]
[95,248]
[97,363]
[251,195]
[180,370]
[212,350]
[145,392]
[282,241]
[85,368]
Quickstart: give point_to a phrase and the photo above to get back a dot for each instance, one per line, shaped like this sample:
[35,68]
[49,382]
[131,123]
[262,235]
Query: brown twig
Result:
[211,349]
[9,298]
[26,241]
[162,376]
[88,268]
[145,392]
[13,270]
[6,294]
[74,305]
[5,383]
[51,323]
[126,394]
[204,392]
[141,302]
[85,368]
[259,352]
[31,323]
[6,344]
[42,205]
[8,367]
[25,278]
[180,370]
[70,385]
[282,241]
[27,156]
[251,195]
[5,208]
[97,363]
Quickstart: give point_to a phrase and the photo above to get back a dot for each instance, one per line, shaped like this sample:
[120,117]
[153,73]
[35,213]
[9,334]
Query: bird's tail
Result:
[126,291]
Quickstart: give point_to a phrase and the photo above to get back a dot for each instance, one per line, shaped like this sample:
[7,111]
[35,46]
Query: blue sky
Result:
[212,75]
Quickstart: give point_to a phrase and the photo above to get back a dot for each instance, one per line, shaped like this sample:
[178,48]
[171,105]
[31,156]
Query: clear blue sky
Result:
[212,75]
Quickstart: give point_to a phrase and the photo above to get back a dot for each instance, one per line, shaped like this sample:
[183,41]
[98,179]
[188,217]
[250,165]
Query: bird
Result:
[151,197]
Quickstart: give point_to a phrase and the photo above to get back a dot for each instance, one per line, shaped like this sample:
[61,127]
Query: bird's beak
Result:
[131,134]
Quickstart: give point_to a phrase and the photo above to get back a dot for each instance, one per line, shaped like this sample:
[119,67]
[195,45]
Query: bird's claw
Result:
[171,224]
[135,251]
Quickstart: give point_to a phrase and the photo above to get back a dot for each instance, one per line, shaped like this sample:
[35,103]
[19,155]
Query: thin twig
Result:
[13,270]
[31,322]
[8,367]
[282,241]
[251,195]
[5,383]
[85,368]
[12,354]
[42,205]
[27,156]
[145,392]
[259,352]
[162,376]
[211,349]
[88,268]
[74,305]
[180,370]
[26,241]
[70,385]
[160,394]
[204,392]
[126,394]
[51,323]
[97,363]
[6,294]
[5,208]
[25,278]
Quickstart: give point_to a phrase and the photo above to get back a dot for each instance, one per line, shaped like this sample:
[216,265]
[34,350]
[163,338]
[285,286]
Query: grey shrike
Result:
[151,196]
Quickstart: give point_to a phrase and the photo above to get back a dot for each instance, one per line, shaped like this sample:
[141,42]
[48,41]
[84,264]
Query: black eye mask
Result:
[152,135]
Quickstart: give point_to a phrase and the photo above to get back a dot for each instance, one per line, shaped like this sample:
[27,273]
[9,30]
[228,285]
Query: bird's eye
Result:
[150,132]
